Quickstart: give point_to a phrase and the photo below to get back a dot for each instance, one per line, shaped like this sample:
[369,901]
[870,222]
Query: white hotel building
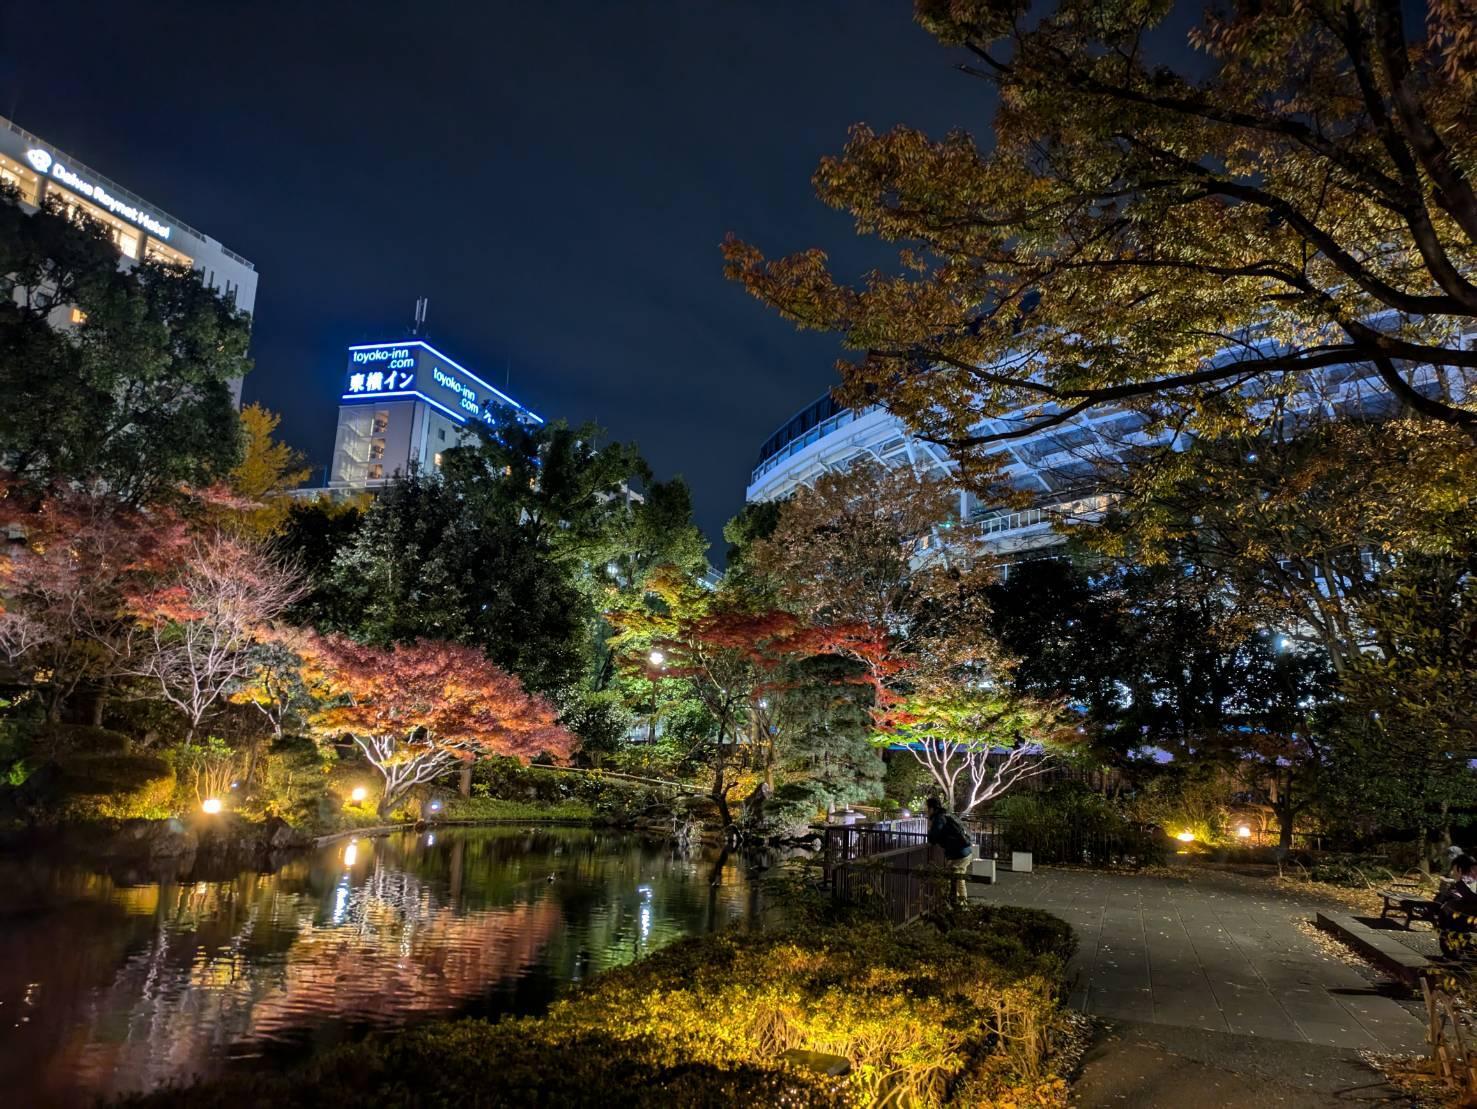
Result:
[402,404]
[43,174]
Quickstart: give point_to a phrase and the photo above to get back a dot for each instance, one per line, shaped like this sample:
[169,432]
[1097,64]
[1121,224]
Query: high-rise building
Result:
[43,174]
[403,403]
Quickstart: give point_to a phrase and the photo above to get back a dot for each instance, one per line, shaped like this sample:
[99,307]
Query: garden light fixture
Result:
[211,805]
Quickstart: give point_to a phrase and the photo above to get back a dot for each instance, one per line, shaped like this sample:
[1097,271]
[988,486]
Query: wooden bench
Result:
[1414,908]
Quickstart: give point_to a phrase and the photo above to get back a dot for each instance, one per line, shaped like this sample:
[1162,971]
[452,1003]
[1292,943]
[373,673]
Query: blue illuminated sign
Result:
[417,369]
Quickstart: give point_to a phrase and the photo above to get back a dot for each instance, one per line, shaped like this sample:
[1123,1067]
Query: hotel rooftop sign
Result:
[48,165]
[417,370]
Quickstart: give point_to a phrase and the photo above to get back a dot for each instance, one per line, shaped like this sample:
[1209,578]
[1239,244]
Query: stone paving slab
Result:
[1212,954]
[1138,1065]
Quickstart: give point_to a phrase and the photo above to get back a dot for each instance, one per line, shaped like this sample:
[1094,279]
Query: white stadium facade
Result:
[1056,467]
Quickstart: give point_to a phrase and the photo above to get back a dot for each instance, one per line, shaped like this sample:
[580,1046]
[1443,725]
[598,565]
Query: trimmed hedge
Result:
[947,1012]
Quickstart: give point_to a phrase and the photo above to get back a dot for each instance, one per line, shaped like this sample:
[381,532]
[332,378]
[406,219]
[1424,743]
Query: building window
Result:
[22,180]
[381,422]
[376,471]
[155,251]
[441,434]
[125,236]
[79,316]
[376,449]
[438,460]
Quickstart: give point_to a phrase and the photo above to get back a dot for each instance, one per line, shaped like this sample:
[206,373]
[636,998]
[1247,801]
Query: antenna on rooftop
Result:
[418,327]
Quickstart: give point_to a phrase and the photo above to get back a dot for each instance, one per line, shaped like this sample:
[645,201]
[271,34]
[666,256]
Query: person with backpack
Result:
[946,831]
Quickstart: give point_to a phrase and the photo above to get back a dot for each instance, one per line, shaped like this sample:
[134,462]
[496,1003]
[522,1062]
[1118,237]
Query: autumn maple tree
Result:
[201,621]
[1135,235]
[417,710]
[69,586]
[869,558]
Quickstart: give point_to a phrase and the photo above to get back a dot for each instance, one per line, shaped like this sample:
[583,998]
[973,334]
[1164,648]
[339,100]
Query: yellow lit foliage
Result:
[912,1011]
[267,470]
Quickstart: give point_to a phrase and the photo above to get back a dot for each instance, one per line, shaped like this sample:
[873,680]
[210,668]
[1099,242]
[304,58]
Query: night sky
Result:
[555,177]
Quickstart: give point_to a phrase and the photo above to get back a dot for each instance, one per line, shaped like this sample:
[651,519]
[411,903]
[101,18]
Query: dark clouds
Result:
[556,177]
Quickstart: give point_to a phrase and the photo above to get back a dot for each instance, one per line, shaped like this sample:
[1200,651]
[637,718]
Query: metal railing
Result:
[899,884]
[1131,845]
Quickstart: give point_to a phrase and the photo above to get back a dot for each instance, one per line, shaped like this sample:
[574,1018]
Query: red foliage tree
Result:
[200,622]
[740,663]
[66,587]
[418,709]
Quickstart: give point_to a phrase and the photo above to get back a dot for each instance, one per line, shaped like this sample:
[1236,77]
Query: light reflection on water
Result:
[107,987]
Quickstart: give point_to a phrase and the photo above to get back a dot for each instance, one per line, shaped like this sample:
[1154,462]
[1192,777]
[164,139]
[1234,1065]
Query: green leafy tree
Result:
[440,557]
[1408,731]
[1298,518]
[122,376]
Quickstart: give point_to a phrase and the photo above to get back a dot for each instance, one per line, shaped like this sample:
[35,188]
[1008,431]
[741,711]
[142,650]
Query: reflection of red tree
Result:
[393,954]
[403,970]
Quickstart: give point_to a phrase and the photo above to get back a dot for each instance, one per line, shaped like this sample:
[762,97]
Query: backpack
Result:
[953,838]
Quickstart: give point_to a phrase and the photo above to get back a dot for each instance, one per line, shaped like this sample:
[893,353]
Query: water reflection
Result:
[107,987]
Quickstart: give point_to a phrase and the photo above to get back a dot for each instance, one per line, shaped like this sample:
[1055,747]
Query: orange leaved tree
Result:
[416,710]
[66,588]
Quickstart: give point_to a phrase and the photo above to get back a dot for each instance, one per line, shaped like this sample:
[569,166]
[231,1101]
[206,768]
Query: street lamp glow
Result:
[657,658]
[1243,832]
[211,805]
[1186,837]
[359,793]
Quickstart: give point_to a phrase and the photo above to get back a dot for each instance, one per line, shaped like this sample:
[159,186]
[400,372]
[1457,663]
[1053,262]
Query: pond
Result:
[107,987]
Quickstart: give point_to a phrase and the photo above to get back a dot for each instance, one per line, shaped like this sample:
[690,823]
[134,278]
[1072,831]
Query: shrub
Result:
[495,808]
[798,802]
[961,1010]
[1179,802]
[1070,823]
[290,780]
[57,741]
[114,787]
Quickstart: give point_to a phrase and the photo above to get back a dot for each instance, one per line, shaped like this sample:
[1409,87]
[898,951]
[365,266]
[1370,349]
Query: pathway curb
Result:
[1389,955]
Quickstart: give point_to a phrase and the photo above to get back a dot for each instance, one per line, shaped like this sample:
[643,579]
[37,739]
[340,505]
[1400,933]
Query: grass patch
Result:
[962,1010]
[495,808]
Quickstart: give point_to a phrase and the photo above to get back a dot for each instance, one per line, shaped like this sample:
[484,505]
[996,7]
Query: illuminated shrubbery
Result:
[960,1012]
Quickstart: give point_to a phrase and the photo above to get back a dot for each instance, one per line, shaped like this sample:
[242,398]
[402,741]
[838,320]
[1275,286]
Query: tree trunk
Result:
[251,760]
[1285,821]
[720,794]
[1423,850]
[464,784]
[100,702]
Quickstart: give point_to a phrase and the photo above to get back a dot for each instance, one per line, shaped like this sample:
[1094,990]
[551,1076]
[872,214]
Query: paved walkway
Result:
[1211,993]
